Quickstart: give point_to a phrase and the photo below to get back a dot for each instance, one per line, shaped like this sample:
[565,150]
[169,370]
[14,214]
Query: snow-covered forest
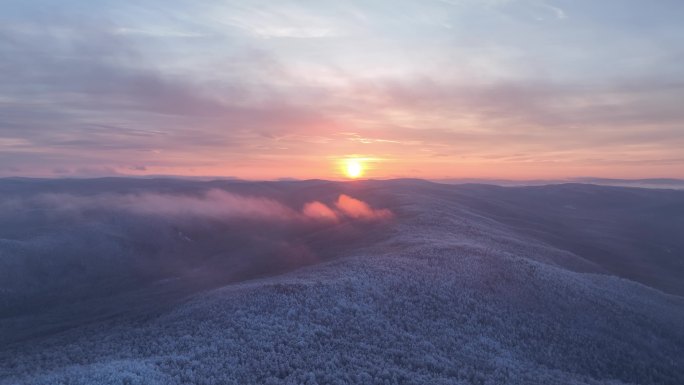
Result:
[163,281]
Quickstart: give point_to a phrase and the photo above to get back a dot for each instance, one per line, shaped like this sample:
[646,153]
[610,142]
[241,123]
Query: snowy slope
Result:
[463,284]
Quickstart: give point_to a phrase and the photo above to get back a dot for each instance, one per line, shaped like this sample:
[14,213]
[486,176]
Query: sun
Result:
[353,168]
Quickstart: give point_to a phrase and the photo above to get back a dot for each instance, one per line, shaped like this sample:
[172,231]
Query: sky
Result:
[514,89]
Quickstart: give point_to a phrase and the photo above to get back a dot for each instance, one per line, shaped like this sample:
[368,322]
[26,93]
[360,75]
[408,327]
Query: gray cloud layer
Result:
[165,88]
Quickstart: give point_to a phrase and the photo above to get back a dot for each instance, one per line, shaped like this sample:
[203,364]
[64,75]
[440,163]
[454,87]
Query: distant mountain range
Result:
[674,183]
[644,183]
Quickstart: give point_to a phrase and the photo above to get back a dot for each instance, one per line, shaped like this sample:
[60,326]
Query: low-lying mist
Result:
[67,246]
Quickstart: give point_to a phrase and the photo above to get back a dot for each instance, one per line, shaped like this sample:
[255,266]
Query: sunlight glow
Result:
[353,168]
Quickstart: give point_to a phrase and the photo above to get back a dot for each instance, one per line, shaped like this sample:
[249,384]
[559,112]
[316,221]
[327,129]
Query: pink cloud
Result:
[358,209]
[319,211]
[214,204]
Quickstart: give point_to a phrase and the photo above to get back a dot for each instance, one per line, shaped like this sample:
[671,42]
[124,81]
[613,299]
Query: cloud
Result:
[320,211]
[201,238]
[215,203]
[358,209]
[127,85]
[346,207]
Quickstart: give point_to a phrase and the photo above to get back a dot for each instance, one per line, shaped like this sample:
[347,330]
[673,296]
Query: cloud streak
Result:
[213,204]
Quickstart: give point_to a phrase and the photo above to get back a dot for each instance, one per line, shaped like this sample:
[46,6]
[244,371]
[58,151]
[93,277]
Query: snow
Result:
[446,292]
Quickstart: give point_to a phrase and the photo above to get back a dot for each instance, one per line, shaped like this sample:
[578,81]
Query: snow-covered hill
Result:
[118,281]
